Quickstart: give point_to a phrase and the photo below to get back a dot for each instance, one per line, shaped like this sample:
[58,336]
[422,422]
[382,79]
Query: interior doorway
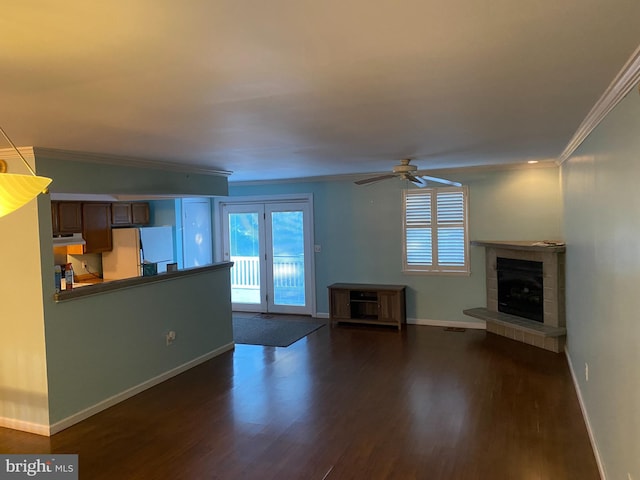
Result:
[196,232]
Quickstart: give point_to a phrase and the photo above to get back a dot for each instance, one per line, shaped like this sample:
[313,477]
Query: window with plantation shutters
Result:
[435,230]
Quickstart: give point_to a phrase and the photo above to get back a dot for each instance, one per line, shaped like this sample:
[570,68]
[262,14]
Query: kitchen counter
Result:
[83,289]
[86,281]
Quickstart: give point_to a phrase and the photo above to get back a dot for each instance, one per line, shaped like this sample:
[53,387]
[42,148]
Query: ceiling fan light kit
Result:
[17,190]
[406,171]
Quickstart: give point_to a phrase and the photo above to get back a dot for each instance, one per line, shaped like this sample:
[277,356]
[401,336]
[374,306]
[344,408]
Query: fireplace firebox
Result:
[520,288]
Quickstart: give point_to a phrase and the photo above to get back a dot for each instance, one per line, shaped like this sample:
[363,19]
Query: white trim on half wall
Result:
[130,392]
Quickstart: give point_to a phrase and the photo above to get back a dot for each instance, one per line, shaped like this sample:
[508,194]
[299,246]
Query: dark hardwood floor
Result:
[345,403]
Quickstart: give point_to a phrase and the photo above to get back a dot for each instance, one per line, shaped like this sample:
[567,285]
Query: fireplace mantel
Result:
[540,246]
[550,334]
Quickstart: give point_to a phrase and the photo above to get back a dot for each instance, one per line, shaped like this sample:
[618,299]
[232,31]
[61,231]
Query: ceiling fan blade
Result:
[439,180]
[418,181]
[366,181]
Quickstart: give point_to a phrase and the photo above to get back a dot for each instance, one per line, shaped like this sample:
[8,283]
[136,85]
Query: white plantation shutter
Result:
[435,230]
[450,221]
[418,237]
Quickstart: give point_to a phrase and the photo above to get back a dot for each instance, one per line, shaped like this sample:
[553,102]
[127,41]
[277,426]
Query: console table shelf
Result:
[367,303]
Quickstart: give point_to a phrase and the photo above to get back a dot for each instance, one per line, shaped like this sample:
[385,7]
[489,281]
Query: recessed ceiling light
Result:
[532,161]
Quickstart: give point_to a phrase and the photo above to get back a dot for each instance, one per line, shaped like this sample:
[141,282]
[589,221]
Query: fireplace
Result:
[525,292]
[520,288]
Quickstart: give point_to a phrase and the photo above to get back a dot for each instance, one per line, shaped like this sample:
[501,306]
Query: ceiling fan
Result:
[406,171]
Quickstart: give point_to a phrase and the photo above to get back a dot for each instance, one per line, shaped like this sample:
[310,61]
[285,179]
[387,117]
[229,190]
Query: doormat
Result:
[271,333]
[455,329]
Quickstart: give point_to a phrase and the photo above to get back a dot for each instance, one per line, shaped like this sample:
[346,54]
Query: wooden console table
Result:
[367,303]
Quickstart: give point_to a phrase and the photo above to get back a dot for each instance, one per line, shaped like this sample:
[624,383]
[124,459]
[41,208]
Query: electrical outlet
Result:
[586,372]
[171,336]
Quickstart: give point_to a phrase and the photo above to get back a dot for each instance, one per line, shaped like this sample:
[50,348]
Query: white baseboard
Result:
[585,415]
[479,325]
[111,401]
[321,315]
[29,427]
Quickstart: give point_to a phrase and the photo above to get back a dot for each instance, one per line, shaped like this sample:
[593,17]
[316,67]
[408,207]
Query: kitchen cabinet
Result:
[96,226]
[66,217]
[121,213]
[127,214]
[140,213]
[367,303]
[54,218]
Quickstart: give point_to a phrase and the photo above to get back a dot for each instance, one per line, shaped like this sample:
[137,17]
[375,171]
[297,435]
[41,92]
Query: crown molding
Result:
[547,163]
[14,163]
[10,153]
[622,84]
[87,157]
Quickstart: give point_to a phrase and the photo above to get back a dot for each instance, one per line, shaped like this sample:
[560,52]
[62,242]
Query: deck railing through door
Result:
[288,271]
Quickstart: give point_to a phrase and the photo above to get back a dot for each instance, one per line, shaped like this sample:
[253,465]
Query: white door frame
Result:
[220,202]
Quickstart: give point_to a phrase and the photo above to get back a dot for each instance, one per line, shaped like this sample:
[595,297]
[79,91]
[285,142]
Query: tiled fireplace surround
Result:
[551,334]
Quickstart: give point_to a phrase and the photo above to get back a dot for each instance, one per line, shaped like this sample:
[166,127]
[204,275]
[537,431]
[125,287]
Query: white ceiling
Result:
[297,88]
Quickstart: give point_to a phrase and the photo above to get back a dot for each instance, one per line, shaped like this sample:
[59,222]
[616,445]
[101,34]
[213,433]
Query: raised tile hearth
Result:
[549,334]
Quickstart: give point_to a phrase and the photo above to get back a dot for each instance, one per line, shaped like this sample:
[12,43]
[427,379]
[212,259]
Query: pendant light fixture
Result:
[17,190]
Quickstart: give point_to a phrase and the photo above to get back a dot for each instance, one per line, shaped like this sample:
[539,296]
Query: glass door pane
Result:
[289,250]
[287,231]
[244,244]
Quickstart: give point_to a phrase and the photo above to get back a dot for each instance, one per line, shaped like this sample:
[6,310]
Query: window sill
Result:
[437,273]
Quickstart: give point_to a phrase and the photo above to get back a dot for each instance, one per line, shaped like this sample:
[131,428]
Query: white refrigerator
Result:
[133,246]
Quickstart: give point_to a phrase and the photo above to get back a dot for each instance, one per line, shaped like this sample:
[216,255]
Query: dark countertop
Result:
[109,286]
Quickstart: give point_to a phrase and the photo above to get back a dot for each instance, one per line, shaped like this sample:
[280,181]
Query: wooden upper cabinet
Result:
[66,217]
[121,213]
[96,227]
[54,218]
[140,213]
[127,213]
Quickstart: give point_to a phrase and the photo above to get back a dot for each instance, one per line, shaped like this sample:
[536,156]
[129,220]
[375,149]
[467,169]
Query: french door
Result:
[270,244]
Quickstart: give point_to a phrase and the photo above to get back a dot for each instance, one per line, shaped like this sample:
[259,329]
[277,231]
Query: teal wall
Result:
[162,213]
[101,345]
[602,201]
[360,232]
[97,178]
